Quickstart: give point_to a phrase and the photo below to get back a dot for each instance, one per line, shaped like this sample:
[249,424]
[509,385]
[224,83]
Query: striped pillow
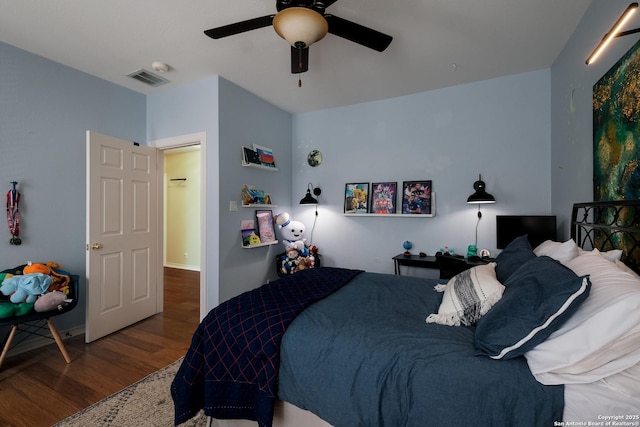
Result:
[467,296]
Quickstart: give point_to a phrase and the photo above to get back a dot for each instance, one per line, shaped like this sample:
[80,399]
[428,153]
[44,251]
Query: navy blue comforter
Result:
[364,356]
[231,367]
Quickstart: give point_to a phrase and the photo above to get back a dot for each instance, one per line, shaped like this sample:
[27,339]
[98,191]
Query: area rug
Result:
[145,403]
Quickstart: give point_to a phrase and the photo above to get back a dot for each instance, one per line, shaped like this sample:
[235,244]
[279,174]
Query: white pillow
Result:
[562,252]
[601,338]
[545,246]
[624,267]
[467,296]
[626,382]
[612,255]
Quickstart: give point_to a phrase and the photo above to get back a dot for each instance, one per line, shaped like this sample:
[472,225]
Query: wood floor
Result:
[39,389]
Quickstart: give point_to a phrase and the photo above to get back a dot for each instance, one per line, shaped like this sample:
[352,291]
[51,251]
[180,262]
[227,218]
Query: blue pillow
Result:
[537,299]
[513,256]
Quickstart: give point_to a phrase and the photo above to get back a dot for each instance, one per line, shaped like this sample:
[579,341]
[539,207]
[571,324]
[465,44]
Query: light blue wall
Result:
[231,118]
[499,128]
[571,107]
[184,110]
[45,110]
[245,120]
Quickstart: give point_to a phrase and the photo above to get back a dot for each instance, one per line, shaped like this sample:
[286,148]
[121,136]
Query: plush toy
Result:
[251,239]
[26,287]
[290,262]
[292,232]
[32,268]
[298,256]
[51,301]
[9,309]
[60,279]
[2,277]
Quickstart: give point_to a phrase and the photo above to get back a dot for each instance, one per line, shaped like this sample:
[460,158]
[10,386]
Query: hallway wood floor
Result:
[39,389]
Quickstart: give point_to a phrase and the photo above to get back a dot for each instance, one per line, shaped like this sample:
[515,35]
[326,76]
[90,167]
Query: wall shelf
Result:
[259,206]
[260,245]
[391,215]
[255,165]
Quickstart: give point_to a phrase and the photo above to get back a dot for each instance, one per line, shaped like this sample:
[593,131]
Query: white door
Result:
[122,259]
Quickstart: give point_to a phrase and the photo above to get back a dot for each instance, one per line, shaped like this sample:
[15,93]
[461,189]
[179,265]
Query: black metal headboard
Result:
[609,225]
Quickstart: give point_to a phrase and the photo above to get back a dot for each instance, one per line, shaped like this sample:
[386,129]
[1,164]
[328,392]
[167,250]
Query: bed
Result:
[544,336]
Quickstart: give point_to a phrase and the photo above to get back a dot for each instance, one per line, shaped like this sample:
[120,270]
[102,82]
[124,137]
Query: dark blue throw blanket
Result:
[231,367]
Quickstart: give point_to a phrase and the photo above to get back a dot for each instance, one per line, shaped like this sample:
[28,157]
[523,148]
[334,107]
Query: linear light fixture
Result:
[614,32]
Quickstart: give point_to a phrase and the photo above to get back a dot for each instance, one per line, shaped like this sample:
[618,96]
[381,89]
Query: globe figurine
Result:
[407,245]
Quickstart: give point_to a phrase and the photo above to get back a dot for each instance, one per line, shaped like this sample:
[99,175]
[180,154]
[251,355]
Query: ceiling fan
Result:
[302,23]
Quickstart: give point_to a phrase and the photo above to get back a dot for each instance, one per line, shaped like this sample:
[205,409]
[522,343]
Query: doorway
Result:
[181,207]
[183,179]
[181,228]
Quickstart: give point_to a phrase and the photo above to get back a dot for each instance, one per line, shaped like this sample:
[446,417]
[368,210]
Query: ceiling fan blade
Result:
[299,60]
[357,33]
[240,27]
[317,5]
[325,3]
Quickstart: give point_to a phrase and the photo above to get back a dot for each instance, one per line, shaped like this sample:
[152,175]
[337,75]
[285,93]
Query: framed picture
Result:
[416,197]
[356,198]
[247,224]
[266,155]
[383,197]
[265,226]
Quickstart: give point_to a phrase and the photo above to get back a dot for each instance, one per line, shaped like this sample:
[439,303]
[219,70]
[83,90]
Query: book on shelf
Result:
[249,155]
[266,156]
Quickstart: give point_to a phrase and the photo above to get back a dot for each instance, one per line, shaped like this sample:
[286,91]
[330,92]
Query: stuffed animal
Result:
[9,309]
[32,268]
[292,232]
[51,301]
[60,279]
[291,261]
[298,256]
[26,287]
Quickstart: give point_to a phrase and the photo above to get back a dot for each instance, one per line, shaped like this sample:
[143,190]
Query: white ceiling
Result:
[436,43]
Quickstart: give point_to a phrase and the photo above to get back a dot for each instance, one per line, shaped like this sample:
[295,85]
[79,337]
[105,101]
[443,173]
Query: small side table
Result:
[414,261]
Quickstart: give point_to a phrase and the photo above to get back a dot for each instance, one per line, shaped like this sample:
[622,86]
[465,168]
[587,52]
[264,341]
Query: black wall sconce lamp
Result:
[308,199]
[480,197]
[614,32]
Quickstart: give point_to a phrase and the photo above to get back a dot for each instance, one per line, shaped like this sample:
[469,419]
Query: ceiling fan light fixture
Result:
[300,25]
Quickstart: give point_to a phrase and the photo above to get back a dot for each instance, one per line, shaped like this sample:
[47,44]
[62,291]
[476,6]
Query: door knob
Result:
[95,246]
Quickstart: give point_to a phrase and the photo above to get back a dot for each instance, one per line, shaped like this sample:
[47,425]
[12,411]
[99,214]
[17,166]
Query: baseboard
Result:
[38,342]
[182,266]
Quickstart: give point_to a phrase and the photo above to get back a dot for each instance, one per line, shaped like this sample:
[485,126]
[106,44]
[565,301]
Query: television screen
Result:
[538,228]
